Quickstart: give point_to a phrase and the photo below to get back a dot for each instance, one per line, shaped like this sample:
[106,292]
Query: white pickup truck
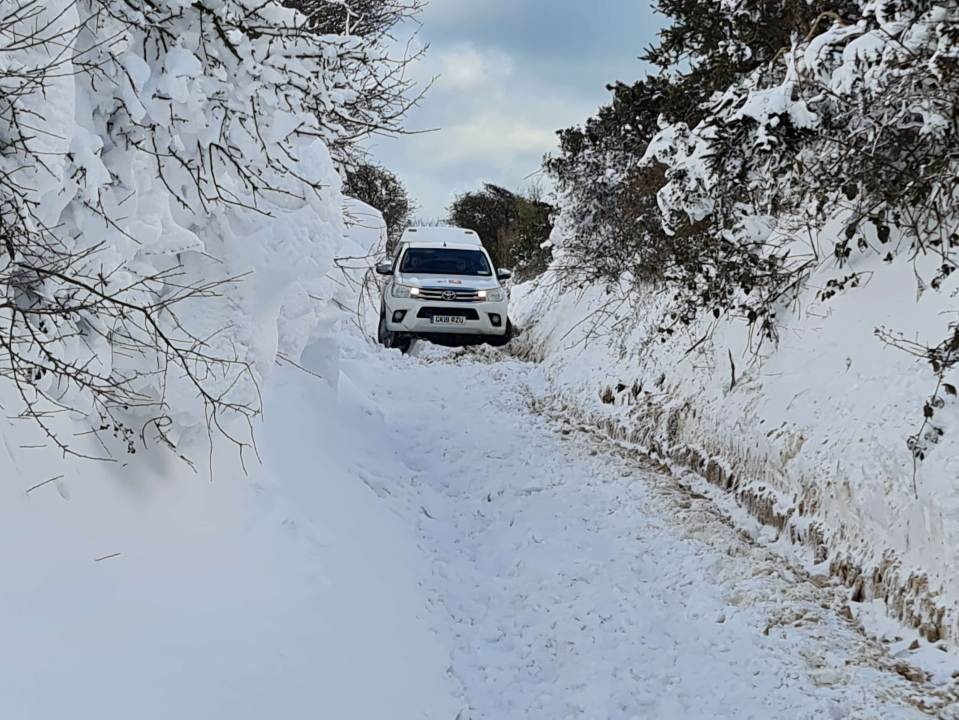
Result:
[442,287]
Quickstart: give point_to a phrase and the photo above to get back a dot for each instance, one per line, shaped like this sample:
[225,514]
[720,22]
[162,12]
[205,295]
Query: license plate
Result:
[448,320]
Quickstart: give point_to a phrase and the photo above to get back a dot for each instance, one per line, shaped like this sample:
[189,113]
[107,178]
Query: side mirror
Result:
[503,274]
[384,268]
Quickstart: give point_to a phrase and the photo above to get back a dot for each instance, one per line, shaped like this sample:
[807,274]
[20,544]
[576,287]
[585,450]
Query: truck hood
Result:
[455,282]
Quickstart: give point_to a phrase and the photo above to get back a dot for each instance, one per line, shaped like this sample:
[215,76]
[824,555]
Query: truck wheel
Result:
[502,340]
[389,339]
[383,336]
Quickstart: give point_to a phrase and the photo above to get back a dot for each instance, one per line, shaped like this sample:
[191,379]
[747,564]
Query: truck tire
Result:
[383,336]
[502,340]
[389,339]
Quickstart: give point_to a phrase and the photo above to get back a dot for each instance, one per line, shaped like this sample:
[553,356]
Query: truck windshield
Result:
[445,261]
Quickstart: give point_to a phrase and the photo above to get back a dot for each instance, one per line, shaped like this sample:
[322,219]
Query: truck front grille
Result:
[449,294]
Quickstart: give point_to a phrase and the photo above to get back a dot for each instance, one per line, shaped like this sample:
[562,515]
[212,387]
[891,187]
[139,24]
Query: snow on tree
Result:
[169,206]
[841,150]
[783,144]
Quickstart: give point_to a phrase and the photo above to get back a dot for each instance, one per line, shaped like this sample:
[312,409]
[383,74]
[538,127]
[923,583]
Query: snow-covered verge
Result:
[286,588]
[758,281]
[810,436]
[177,259]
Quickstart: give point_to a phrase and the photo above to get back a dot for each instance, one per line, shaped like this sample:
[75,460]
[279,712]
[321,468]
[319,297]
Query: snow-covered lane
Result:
[570,582]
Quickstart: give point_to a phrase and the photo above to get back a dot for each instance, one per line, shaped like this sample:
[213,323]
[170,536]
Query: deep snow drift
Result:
[175,578]
[150,589]
[178,578]
[168,149]
[291,592]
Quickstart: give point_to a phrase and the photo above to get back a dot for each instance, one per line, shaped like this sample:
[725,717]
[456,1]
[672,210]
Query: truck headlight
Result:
[405,291]
[494,295]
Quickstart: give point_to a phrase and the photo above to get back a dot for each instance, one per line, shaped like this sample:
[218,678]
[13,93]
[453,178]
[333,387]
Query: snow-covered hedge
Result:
[808,435]
[765,278]
[168,202]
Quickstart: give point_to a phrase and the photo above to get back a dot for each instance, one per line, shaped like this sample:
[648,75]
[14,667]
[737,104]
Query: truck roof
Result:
[454,244]
[441,235]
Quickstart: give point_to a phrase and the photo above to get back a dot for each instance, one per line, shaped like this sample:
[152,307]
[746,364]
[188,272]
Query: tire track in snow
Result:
[572,582]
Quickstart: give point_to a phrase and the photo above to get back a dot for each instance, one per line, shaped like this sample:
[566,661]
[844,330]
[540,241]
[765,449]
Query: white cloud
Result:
[462,14]
[492,137]
[509,73]
[466,67]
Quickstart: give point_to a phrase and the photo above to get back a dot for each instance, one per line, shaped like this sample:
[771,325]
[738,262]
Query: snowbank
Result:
[181,578]
[170,144]
[809,436]
[146,589]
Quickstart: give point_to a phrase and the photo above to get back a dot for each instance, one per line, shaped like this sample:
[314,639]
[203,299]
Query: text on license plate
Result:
[448,320]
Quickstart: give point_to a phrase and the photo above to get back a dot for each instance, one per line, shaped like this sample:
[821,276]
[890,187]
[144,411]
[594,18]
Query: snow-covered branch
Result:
[152,155]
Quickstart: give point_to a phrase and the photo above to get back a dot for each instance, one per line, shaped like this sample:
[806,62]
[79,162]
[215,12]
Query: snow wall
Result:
[186,579]
[810,436]
[151,588]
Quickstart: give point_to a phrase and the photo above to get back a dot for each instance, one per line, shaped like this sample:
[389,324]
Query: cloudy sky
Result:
[510,73]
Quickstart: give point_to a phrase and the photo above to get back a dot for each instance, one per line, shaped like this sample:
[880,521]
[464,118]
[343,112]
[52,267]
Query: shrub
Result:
[381,189]
[514,228]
